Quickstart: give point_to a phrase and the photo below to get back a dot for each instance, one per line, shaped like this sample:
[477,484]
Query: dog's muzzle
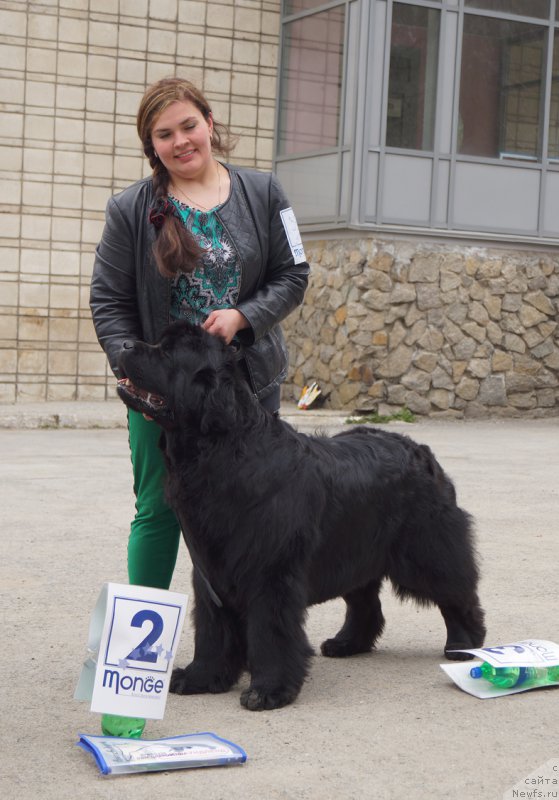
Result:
[153,400]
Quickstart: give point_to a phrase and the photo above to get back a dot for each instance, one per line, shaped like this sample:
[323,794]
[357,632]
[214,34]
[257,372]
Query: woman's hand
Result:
[224,323]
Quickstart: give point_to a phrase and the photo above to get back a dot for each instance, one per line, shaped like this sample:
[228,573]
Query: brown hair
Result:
[175,248]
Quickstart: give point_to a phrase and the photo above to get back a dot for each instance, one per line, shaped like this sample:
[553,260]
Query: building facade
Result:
[417,140]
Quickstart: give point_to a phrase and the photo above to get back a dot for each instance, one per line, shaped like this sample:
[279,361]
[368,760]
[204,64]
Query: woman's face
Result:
[181,138]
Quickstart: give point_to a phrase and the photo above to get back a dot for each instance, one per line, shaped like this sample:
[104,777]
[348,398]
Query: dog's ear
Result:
[207,395]
[218,406]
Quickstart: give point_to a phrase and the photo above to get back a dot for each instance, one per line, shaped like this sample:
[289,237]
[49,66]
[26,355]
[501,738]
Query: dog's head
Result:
[184,376]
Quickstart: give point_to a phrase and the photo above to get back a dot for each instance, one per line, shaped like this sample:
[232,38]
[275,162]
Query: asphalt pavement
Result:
[389,724]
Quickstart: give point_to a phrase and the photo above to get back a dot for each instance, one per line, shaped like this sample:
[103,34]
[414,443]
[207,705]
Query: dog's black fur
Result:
[278,521]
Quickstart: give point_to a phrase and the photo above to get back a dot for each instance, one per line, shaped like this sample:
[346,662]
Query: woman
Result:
[202,240]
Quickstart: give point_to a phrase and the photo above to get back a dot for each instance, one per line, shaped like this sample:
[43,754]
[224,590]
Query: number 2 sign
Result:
[133,638]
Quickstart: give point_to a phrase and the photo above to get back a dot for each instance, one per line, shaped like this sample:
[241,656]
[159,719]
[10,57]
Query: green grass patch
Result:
[404,415]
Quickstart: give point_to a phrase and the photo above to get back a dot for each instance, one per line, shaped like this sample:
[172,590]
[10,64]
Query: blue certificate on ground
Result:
[117,756]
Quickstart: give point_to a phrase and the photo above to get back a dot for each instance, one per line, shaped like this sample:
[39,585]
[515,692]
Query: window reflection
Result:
[310,92]
[553,149]
[525,8]
[501,88]
[295,6]
[412,88]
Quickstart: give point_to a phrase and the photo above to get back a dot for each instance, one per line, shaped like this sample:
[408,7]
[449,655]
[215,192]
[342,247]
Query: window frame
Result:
[371,202]
[343,147]
[321,8]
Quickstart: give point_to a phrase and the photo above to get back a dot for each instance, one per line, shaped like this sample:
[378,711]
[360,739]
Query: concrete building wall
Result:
[71,75]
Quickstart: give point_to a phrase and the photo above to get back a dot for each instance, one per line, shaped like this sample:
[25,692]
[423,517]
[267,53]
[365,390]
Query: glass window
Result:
[553,149]
[412,84]
[295,6]
[501,88]
[311,81]
[526,8]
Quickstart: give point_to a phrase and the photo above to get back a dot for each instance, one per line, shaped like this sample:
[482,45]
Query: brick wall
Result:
[71,75]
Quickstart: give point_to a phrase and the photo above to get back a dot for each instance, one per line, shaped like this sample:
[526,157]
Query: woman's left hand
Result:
[224,323]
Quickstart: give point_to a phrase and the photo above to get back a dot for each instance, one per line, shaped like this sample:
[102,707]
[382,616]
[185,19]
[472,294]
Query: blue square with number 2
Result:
[142,634]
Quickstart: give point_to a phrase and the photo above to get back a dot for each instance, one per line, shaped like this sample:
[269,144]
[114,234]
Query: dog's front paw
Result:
[261,700]
[197,680]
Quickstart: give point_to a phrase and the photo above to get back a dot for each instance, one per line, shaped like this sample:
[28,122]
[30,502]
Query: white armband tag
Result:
[293,235]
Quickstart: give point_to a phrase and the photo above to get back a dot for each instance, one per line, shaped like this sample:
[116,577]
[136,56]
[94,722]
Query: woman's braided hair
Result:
[175,249]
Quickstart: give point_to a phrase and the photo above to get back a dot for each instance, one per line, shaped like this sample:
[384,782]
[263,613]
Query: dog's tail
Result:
[425,458]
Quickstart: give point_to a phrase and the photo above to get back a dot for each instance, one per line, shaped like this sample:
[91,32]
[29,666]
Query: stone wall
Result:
[443,330]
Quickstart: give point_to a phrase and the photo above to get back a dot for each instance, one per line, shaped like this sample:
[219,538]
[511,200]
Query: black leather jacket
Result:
[131,300]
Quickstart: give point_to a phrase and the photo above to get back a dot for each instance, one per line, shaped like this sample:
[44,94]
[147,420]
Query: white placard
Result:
[293,235]
[133,638]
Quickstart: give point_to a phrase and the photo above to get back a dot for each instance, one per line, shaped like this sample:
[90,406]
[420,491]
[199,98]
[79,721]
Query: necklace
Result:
[199,205]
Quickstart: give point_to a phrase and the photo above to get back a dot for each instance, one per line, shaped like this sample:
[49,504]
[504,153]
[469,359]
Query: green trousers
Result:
[155,531]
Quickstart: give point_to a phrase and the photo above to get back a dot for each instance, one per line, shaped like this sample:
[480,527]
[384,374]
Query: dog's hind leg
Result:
[465,628]
[219,649]
[363,625]
[462,613]
[438,565]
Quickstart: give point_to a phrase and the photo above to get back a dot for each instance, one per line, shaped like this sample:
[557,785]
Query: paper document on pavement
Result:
[526,653]
[117,756]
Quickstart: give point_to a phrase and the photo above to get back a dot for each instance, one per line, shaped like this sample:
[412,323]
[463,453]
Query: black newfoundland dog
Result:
[276,521]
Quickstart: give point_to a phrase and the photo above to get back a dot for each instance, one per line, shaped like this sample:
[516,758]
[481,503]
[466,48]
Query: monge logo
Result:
[131,684]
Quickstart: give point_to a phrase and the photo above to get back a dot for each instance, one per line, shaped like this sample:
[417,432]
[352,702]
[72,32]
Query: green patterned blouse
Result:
[215,282]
